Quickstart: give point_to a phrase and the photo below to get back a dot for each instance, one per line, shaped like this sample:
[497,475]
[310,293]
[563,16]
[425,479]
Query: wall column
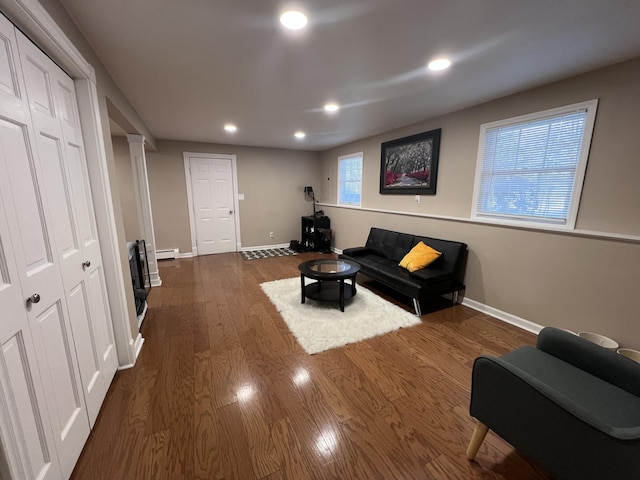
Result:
[143,202]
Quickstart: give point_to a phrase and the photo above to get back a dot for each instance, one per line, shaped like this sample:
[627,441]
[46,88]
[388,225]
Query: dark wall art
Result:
[409,165]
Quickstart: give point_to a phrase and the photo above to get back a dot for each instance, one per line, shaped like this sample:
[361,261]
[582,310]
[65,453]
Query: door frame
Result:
[31,17]
[234,173]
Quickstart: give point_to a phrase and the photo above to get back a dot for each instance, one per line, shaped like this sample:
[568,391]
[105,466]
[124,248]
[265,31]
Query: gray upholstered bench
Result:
[571,405]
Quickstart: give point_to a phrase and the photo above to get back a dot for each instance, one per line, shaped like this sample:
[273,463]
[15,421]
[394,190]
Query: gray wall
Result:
[572,281]
[124,177]
[271,180]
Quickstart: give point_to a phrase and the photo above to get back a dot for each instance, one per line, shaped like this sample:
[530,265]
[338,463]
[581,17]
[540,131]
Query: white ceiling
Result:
[190,66]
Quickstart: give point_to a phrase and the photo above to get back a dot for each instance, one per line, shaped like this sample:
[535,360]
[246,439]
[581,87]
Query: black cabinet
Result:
[316,233]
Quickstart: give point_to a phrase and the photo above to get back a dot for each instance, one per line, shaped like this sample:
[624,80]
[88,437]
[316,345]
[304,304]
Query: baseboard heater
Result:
[167,253]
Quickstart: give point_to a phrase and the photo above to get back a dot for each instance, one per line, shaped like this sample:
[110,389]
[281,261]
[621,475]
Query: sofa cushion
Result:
[388,272]
[382,242]
[404,244]
[419,257]
[452,254]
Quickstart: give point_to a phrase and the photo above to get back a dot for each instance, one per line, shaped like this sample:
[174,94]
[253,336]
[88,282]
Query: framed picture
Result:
[409,165]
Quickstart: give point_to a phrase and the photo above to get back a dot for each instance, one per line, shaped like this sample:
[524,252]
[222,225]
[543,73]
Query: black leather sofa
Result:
[383,251]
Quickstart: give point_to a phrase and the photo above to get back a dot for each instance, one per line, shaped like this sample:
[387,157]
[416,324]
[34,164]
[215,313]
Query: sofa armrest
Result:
[600,362]
[357,251]
[491,372]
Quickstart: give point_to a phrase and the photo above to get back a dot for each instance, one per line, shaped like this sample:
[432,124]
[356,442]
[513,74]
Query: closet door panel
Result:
[40,279]
[17,389]
[12,96]
[31,226]
[53,106]
[25,428]
[24,423]
[62,209]
[59,355]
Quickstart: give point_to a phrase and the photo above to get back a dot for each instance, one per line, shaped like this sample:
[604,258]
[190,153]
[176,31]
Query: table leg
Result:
[341,285]
[302,287]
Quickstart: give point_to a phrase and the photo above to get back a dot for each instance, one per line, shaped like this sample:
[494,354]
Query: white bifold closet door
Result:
[58,354]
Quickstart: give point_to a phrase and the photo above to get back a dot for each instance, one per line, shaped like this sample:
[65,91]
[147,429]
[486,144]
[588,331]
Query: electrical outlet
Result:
[271,235]
[417,198]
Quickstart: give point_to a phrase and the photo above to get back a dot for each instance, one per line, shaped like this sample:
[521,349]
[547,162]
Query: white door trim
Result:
[36,23]
[187,174]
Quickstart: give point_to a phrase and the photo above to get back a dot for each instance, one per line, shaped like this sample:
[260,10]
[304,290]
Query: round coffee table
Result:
[330,275]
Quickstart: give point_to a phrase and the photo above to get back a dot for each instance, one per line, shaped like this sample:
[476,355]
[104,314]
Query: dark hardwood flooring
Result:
[222,391]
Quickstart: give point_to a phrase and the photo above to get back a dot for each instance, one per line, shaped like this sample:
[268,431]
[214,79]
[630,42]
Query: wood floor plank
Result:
[207,441]
[222,390]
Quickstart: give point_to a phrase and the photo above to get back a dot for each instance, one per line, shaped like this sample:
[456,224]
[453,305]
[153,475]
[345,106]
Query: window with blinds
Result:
[531,168]
[350,179]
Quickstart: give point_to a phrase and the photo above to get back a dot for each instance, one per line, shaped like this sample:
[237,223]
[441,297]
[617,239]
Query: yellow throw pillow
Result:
[419,257]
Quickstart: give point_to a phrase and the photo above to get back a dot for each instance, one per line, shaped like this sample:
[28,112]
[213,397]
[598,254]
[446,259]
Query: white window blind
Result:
[531,170]
[350,179]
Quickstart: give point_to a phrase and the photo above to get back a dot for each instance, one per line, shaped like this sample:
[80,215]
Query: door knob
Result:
[35,298]
[86,264]
[230,212]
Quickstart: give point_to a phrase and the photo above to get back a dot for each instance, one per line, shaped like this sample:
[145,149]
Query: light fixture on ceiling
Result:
[299,135]
[230,127]
[331,107]
[439,64]
[293,20]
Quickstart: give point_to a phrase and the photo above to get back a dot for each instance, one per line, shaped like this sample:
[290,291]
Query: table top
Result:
[328,268]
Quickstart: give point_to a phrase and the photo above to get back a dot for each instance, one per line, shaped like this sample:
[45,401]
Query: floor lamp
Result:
[308,190]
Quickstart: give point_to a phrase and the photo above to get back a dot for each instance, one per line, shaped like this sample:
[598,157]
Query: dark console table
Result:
[316,233]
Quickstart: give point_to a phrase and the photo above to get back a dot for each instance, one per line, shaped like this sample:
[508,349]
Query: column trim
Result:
[143,203]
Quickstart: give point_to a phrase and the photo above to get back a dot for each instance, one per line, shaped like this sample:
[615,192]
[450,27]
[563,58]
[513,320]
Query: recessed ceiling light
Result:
[293,20]
[300,135]
[439,64]
[331,107]
[230,127]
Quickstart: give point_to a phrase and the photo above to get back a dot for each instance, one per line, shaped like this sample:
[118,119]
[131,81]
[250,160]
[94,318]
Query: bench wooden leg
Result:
[476,440]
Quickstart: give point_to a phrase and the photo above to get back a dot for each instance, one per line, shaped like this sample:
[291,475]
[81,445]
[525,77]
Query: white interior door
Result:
[54,424]
[24,421]
[59,141]
[212,188]
[25,429]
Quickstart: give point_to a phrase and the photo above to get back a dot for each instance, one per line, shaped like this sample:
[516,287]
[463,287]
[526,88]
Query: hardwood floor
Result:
[222,391]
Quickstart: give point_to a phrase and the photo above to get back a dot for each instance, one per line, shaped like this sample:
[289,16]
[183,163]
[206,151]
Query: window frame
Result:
[590,107]
[340,159]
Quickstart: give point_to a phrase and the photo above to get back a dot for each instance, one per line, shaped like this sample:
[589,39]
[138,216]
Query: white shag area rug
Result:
[320,326]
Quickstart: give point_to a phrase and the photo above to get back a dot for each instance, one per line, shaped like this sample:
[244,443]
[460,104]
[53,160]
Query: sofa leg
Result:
[416,305]
[476,440]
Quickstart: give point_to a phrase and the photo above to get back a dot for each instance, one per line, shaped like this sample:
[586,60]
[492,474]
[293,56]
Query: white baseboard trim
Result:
[187,255]
[136,346]
[503,316]
[167,253]
[263,247]
[141,316]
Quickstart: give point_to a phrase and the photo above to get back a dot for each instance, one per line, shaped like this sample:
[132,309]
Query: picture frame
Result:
[409,165]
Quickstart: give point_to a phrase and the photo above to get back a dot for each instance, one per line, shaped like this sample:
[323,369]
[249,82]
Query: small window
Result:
[531,168]
[350,179]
